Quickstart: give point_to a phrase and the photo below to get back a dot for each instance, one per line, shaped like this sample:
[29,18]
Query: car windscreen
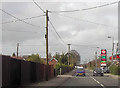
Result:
[98,70]
[80,69]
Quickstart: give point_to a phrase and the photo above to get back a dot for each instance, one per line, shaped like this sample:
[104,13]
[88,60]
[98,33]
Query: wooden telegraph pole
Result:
[46,36]
[69,54]
[116,52]
[17,49]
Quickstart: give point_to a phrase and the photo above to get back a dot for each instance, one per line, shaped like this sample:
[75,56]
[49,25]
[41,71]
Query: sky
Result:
[85,30]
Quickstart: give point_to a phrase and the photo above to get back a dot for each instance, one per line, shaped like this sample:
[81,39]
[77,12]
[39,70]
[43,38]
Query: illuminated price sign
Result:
[103,57]
[103,51]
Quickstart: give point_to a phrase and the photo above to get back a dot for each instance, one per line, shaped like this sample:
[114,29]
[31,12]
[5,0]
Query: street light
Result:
[112,45]
[96,56]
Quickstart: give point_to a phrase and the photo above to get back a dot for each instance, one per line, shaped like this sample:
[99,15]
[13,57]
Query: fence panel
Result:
[5,71]
[25,72]
[38,71]
[15,72]
[33,72]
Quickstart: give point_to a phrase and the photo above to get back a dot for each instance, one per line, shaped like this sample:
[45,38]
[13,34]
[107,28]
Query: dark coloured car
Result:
[106,70]
[80,72]
[98,71]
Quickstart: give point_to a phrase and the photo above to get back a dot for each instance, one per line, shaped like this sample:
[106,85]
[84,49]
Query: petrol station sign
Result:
[103,57]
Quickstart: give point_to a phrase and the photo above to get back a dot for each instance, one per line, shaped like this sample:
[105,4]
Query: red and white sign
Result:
[103,64]
[103,57]
[103,51]
[114,57]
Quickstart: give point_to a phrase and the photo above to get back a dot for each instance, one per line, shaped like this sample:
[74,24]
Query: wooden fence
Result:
[19,72]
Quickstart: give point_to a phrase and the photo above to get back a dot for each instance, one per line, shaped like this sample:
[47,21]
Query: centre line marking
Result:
[97,81]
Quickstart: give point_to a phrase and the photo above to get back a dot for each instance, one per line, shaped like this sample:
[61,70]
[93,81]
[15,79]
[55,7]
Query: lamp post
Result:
[112,46]
[96,56]
[69,54]
[116,51]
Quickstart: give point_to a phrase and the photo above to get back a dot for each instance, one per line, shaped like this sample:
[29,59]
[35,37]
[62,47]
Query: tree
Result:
[64,59]
[35,58]
[57,56]
[13,54]
[49,55]
[75,57]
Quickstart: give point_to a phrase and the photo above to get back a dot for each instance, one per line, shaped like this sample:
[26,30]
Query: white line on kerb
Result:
[97,81]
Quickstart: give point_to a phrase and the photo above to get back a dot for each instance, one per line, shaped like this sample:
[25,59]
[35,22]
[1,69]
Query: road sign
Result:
[103,51]
[103,57]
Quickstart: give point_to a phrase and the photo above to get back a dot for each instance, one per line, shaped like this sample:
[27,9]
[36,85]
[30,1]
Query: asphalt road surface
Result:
[90,81]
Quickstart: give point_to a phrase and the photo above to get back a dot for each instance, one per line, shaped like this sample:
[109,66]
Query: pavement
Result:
[54,82]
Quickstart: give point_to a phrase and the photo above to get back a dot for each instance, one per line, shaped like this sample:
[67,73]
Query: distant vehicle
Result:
[80,72]
[98,71]
[106,70]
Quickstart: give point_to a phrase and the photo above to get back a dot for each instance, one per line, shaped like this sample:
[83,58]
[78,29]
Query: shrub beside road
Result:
[64,68]
[115,70]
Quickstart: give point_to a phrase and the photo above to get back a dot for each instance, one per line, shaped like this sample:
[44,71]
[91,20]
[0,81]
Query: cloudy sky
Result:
[84,30]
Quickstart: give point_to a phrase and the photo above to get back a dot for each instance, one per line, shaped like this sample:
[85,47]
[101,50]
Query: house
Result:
[19,57]
[53,61]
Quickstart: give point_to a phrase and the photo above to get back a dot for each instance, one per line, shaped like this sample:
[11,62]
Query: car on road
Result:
[80,72]
[106,70]
[98,71]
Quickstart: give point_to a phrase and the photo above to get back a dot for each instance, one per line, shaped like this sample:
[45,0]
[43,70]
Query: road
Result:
[91,81]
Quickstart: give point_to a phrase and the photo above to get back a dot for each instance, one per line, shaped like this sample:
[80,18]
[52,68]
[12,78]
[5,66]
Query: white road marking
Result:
[97,81]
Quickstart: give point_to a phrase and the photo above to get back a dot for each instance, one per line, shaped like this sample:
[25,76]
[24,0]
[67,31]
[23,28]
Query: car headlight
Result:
[94,71]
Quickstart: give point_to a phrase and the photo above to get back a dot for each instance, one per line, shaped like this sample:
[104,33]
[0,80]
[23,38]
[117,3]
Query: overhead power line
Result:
[21,31]
[90,46]
[56,32]
[56,37]
[19,19]
[22,19]
[38,6]
[90,8]
[85,20]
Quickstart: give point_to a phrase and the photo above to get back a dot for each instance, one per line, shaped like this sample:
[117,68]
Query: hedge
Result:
[115,70]
[64,68]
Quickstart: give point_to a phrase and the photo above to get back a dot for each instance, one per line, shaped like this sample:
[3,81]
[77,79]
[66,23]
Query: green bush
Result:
[63,67]
[91,68]
[57,67]
[115,70]
[118,70]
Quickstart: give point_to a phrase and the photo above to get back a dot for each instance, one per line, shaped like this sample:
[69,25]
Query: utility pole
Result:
[69,54]
[116,51]
[112,46]
[46,36]
[96,58]
[17,49]
[112,51]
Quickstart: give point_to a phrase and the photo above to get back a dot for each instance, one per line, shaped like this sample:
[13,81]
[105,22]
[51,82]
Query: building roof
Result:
[19,57]
[54,59]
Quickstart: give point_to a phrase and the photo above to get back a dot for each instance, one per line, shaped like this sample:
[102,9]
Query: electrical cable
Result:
[19,19]
[21,31]
[22,19]
[38,6]
[90,8]
[85,20]
[56,32]
[55,36]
